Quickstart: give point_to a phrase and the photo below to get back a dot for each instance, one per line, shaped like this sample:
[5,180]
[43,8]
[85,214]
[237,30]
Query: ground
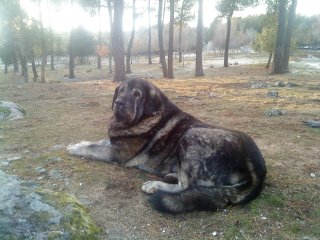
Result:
[63,111]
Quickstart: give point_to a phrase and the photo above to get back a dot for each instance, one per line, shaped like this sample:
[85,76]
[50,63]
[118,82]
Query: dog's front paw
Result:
[150,187]
[78,149]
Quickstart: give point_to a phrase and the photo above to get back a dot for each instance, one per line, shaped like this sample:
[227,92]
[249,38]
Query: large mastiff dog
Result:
[213,167]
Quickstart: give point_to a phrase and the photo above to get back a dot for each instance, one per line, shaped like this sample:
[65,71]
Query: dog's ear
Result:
[153,102]
[115,96]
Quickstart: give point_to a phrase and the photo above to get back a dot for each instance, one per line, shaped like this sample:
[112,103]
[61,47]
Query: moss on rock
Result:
[31,212]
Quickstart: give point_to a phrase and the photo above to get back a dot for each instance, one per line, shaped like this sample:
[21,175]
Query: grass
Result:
[62,112]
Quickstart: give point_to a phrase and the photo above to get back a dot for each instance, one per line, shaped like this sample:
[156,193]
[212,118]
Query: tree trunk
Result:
[199,69]
[160,37]
[269,60]
[24,68]
[43,48]
[180,41]
[180,32]
[71,56]
[99,38]
[287,45]
[110,40]
[170,45]
[51,41]
[34,69]
[278,53]
[5,68]
[117,42]
[149,40]
[71,52]
[51,54]
[15,63]
[226,48]
[128,59]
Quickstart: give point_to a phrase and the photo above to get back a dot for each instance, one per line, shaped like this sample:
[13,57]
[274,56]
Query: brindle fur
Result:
[214,166]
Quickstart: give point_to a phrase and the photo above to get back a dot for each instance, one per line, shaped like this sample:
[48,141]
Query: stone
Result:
[274,112]
[212,95]
[291,84]
[279,84]
[55,174]
[312,123]
[11,111]
[8,160]
[28,211]
[53,159]
[259,84]
[40,170]
[272,94]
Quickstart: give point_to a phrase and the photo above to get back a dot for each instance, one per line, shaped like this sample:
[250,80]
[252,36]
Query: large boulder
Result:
[10,111]
[30,212]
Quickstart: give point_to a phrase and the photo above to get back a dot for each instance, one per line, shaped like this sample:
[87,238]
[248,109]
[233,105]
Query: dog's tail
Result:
[205,198]
[196,198]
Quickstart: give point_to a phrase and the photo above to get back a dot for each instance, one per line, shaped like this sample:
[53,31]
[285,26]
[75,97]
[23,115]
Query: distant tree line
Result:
[24,40]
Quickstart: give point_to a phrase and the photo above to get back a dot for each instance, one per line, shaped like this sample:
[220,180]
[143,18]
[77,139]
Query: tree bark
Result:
[170,45]
[278,53]
[43,48]
[110,41]
[160,37]
[71,56]
[24,68]
[71,52]
[269,60]
[226,48]
[199,69]
[117,42]
[149,39]
[287,45]
[128,59]
[15,63]
[51,40]
[180,32]
[34,69]
[99,37]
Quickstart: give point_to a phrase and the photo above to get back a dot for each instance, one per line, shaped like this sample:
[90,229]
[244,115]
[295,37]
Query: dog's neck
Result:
[118,129]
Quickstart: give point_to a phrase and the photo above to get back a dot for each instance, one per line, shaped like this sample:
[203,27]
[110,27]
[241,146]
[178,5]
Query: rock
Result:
[259,84]
[290,84]
[40,170]
[312,123]
[274,113]
[211,95]
[53,159]
[279,84]
[29,212]
[272,94]
[10,111]
[7,161]
[55,174]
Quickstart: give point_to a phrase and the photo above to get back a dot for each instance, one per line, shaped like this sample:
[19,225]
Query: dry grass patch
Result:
[61,112]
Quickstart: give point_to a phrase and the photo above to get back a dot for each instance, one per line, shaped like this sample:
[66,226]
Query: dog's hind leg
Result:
[151,187]
[171,178]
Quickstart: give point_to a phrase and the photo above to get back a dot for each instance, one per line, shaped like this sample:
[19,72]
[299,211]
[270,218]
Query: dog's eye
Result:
[136,93]
[121,90]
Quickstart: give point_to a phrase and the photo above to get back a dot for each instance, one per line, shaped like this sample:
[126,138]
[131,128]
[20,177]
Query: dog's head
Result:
[135,99]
